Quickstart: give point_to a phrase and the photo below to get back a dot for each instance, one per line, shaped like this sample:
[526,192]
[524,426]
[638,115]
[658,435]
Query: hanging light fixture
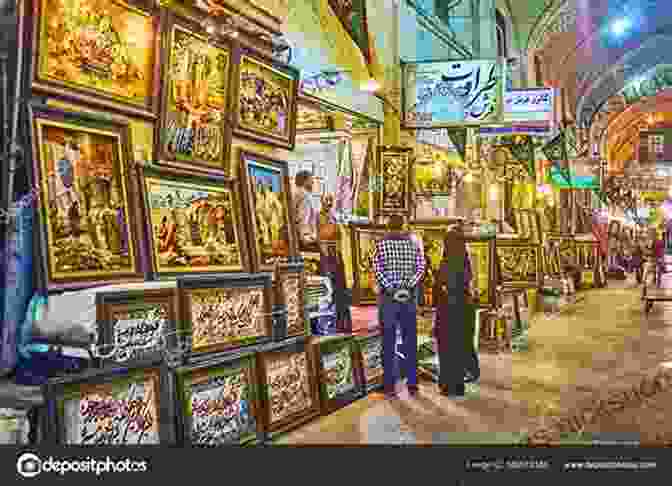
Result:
[469,177]
[494,191]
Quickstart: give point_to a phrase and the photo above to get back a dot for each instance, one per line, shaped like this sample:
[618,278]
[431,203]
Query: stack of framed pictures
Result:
[339,370]
[289,292]
[364,238]
[369,349]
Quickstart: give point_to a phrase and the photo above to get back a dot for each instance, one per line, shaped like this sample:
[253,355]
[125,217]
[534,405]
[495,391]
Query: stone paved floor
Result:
[605,342]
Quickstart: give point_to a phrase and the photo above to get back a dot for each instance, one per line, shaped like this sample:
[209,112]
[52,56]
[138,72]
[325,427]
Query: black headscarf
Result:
[454,251]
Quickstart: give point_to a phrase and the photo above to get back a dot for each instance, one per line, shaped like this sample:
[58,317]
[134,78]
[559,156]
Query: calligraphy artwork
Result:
[101,51]
[395,170]
[519,264]
[194,129]
[312,118]
[482,258]
[219,401]
[193,224]
[586,254]
[363,247]
[86,223]
[338,374]
[566,248]
[289,291]
[266,101]
[370,351]
[444,93]
[528,105]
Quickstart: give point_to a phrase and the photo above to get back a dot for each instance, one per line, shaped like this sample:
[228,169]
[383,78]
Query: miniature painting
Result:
[339,381]
[194,129]
[98,48]
[365,286]
[82,172]
[395,173]
[481,259]
[292,294]
[519,264]
[371,350]
[193,225]
[266,104]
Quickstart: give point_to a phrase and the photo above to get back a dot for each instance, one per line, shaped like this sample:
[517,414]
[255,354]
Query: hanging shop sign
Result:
[528,105]
[345,95]
[518,129]
[447,93]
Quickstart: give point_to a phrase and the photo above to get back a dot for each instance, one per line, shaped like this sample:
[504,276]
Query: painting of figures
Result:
[101,50]
[82,171]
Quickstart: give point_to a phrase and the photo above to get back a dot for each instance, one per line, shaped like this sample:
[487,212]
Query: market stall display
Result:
[370,356]
[339,372]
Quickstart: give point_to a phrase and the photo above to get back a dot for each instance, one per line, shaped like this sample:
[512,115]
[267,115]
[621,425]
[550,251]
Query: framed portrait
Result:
[87,225]
[289,291]
[519,264]
[369,352]
[271,227]
[218,402]
[482,257]
[364,241]
[193,224]
[265,101]
[395,166]
[98,52]
[223,313]
[195,126]
[135,326]
[289,387]
[338,372]
[112,407]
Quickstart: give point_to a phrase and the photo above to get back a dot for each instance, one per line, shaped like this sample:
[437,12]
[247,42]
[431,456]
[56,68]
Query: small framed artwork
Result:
[265,101]
[224,313]
[101,52]
[614,229]
[112,407]
[310,117]
[195,128]
[135,326]
[88,230]
[218,402]
[364,241]
[288,385]
[519,264]
[289,290]
[369,352]
[193,224]
[482,258]
[338,374]
[269,220]
[395,166]
[534,226]
[311,263]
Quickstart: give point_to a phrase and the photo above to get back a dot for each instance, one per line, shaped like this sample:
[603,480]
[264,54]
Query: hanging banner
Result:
[447,93]
[528,105]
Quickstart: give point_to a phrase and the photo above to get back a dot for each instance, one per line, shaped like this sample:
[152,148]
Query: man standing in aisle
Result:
[306,215]
[399,265]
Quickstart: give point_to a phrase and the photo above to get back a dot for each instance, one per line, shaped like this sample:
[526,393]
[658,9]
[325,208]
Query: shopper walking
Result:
[399,264]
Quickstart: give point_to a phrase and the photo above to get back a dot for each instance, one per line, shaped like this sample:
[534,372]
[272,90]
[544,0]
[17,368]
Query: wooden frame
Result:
[311,263]
[152,312]
[289,291]
[512,253]
[322,123]
[293,359]
[212,335]
[359,293]
[370,361]
[63,78]
[281,245]
[330,353]
[614,229]
[68,244]
[534,224]
[101,386]
[215,382]
[395,168]
[175,236]
[566,245]
[244,125]
[586,255]
[486,297]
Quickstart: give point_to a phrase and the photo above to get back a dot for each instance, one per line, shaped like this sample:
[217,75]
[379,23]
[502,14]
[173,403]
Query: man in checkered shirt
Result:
[399,265]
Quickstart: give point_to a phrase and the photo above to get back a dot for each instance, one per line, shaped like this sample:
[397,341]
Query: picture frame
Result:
[395,169]
[122,74]
[290,359]
[483,258]
[202,389]
[586,255]
[566,245]
[519,264]
[274,236]
[206,147]
[142,398]
[244,299]
[363,244]
[534,226]
[289,291]
[338,372]
[311,263]
[134,326]
[193,224]
[369,349]
[280,84]
[310,117]
[614,229]
[88,229]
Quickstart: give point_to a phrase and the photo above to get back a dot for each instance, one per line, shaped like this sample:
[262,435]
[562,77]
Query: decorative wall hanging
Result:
[265,101]
[112,407]
[101,52]
[311,118]
[395,166]
[482,257]
[519,264]
[370,356]
[587,255]
[219,402]
[289,290]
[363,247]
[193,224]
[311,263]
[270,222]
[566,246]
[195,125]
[136,326]
[88,229]
[339,375]
[614,229]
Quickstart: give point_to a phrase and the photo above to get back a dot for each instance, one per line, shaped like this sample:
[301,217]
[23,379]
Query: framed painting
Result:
[112,407]
[265,104]
[270,223]
[289,291]
[369,352]
[614,229]
[533,226]
[519,264]
[135,326]
[395,166]
[99,52]
[195,128]
[552,259]
[482,257]
[88,229]
[432,236]
[225,313]
[310,117]
[193,224]
[289,387]
[337,371]
[566,246]
[218,402]
[587,255]
[364,241]
[311,263]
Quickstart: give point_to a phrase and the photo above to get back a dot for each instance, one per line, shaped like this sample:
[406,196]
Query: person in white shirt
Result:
[306,215]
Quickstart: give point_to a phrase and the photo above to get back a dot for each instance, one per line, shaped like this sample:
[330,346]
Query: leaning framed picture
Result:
[395,166]
[195,127]
[369,356]
[218,402]
[338,372]
[269,220]
[364,241]
[88,229]
[289,291]
[224,313]
[265,102]
[103,53]
[193,224]
[520,264]
[112,407]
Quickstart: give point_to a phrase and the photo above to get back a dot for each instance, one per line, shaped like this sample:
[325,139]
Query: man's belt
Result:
[400,295]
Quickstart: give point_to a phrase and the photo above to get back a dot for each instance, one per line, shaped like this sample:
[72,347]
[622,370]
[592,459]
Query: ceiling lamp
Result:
[371,86]
[620,26]
[468,177]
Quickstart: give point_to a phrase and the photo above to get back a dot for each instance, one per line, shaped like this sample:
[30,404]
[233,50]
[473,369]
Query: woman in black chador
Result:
[455,318]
